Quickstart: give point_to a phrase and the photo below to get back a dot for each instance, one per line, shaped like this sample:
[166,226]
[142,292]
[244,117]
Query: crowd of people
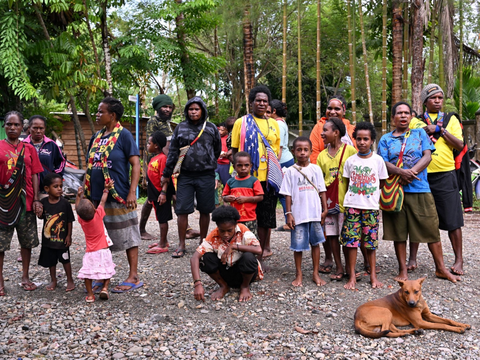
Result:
[329,185]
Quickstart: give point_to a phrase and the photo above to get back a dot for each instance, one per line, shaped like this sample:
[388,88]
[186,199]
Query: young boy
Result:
[365,173]
[306,204]
[223,163]
[57,231]
[244,191]
[160,197]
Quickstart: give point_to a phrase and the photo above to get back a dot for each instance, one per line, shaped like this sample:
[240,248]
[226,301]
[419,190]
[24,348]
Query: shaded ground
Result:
[163,320]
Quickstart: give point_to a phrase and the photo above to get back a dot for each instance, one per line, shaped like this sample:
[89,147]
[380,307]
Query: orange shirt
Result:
[317,141]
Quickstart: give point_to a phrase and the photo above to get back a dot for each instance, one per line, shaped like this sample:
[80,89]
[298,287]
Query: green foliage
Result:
[471,93]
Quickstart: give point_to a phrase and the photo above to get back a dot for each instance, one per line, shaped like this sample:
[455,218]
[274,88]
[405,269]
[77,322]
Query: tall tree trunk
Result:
[284,57]
[319,75]
[406,24]
[86,109]
[106,47]
[460,66]
[397,44]
[184,57]
[300,102]
[431,52]
[216,73]
[248,64]
[384,67]
[80,136]
[92,40]
[441,69]
[365,63]
[351,49]
[417,54]
[449,48]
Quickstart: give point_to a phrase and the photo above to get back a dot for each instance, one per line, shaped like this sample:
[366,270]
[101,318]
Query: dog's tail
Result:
[369,333]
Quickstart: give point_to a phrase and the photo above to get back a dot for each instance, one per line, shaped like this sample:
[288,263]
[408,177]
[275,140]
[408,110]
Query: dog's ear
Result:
[401,283]
[421,280]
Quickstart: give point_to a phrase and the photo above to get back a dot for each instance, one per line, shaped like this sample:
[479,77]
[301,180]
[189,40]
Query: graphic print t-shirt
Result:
[248,186]
[55,223]
[364,181]
[306,204]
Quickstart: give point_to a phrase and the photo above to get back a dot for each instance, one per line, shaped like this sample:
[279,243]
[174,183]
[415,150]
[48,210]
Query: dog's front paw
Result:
[419,332]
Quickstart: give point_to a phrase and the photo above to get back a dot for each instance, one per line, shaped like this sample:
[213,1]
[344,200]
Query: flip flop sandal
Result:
[179,253]
[337,277]
[98,285]
[89,300]
[132,287]
[157,250]
[325,269]
[152,245]
[104,295]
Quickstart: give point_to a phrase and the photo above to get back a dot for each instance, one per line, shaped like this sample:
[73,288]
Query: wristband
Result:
[444,132]
[438,128]
[195,281]
[288,212]
[163,192]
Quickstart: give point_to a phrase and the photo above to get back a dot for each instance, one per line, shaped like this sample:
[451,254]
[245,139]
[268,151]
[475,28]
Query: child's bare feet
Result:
[441,274]
[220,293]
[298,280]
[70,286]
[245,294]
[52,286]
[318,280]
[402,275]
[375,283]
[350,285]
[412,265]
[457,268]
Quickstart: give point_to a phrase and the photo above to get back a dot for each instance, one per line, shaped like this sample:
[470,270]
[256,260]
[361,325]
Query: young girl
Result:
[97,261]
[160,197]
[57,231]
[365,174]
[331,160]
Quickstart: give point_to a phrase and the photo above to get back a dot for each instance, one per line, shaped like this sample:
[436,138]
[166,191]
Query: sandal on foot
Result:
[192,234]
[325,269]
[104,295]
[152,245]
[179,253]
[157,250]
[88,300]
[337,277]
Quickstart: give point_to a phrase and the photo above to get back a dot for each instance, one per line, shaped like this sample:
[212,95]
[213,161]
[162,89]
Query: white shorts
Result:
[333,224]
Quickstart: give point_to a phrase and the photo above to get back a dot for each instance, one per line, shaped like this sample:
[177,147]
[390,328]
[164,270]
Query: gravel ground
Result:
[163,320]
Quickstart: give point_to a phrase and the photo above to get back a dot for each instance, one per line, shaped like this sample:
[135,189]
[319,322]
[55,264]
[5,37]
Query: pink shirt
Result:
[95,236]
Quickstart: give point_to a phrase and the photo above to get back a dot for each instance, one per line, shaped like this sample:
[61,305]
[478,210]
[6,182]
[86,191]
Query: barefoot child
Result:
[244,191]
[160,197]
[331,160]
[365,174]
[227,255]
[57,231]
[97,261]
[306,205]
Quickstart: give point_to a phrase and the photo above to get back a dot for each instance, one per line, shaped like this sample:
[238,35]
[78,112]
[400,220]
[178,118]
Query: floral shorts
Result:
[358,224]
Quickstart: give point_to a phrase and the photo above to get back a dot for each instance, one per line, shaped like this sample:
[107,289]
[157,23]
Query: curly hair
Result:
[259,89]
[85,210]
[280,107]
[241,154]
[365,125]
[225,214]
[159,139]
[114,106]
[394,107]
[302,139]
[338,125]
[48,179]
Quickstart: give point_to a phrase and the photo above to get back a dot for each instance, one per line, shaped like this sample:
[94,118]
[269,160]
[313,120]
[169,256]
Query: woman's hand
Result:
[199,292]
[226,253]
[131,202]
[229,198]
[408,175]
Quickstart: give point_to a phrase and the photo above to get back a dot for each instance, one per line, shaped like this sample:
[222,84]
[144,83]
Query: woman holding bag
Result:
[331,161]
[192,159]
[418,207]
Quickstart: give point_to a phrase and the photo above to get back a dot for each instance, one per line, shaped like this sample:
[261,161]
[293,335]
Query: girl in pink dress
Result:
[97,261]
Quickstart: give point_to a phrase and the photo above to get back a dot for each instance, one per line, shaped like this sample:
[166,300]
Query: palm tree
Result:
[397,44]
[352,63]
[460,67]
[384,68]
[248,64]
[365,62]
[406,53]
[319,79]
[300,102]
[419,13]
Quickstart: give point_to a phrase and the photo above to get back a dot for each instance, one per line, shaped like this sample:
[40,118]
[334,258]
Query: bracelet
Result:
[163,192]
[444,132]
[438,128]
[288,212]
[195,281]
[200,283]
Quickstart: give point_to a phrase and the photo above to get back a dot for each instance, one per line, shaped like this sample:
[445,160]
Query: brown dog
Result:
[381,317]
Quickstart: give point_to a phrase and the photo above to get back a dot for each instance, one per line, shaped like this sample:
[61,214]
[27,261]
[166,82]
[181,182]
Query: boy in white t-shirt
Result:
[366,173]
[304,190]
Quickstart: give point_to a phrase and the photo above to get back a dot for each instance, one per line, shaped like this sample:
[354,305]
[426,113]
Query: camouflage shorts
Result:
[26,233]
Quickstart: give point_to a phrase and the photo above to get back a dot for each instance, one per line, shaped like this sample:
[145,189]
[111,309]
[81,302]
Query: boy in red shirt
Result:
[160,197]
[244,191]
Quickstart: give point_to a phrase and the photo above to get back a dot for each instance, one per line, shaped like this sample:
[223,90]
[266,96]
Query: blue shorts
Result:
[306,234]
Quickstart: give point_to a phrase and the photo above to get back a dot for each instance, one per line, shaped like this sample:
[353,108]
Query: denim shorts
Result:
[306,235]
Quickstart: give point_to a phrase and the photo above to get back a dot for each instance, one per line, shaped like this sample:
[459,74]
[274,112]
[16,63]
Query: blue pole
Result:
[137,126]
